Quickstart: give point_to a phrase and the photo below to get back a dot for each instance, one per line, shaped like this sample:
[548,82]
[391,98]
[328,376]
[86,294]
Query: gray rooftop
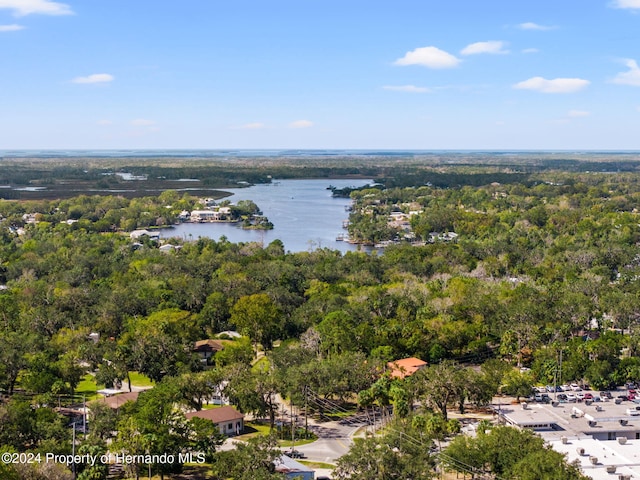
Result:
[576,420]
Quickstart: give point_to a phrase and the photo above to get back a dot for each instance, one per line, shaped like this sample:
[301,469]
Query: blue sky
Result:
[375,74]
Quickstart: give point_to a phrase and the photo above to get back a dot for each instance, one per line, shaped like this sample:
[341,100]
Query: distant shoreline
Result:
[287,153]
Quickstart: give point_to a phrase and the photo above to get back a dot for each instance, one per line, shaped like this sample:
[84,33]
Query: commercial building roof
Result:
[604,437]
[600,460]
[603,420]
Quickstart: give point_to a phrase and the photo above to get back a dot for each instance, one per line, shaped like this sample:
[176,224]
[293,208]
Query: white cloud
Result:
[11,28]
[95,78]
[406,88]
[27,7]
[556,85]
[431,57]
[252,126]
[534,26]
[301,124]
[492,47]
[578,113]
[530,50]
[632,4]
[631,77]
[142,122]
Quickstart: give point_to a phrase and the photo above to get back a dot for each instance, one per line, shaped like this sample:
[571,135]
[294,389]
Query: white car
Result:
[575,387]
[580,396]
[571,397]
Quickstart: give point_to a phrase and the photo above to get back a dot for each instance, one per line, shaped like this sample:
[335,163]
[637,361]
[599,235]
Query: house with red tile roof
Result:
[405,367]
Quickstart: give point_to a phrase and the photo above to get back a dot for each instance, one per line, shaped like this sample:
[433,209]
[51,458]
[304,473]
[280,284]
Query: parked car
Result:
[606,394]
[580,396]
[571,397]
[295,454]
[575,387]
[588,396]
[562,397]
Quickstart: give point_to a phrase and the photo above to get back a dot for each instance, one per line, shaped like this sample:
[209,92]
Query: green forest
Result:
[545,262]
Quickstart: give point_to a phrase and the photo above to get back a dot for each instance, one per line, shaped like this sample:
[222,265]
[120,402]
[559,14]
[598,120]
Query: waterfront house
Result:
[137,234]
[204,216]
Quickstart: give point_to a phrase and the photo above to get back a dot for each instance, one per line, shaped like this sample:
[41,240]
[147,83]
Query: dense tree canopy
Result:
[539,270]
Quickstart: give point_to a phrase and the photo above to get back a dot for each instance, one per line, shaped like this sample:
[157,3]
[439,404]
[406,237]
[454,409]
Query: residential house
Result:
[207,348]
[137,234]
[228,420]
[114,402]
[405,367]
[204,216]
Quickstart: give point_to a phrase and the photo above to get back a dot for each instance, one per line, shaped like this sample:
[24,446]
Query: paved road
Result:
[334,437]
[334,440]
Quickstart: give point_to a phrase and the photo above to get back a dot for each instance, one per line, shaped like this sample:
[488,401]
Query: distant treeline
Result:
[67,177]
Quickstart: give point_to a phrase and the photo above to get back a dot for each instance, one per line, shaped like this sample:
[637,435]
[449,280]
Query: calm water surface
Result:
[304,215]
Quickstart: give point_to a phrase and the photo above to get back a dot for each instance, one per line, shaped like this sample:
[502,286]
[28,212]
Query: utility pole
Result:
[293,423]
[73,449]
[84,416]
[560,369]
[555,383]
[306,418]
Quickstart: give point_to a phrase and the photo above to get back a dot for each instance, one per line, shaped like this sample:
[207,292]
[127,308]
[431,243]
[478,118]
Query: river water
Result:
[304,215]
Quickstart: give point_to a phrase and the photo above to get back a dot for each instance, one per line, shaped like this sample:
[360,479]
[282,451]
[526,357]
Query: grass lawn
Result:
[298,442]
[328,466]
[252,429]
[88,388]
[261,363]
[140,380]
